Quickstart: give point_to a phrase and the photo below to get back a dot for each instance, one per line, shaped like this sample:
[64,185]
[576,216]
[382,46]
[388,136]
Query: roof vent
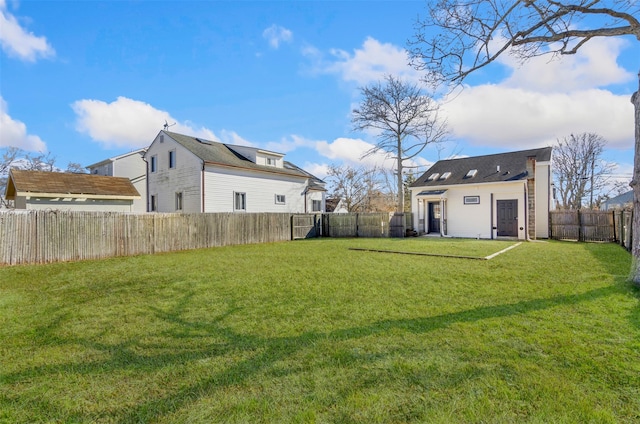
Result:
[434,176]
[445,175]
[472,173]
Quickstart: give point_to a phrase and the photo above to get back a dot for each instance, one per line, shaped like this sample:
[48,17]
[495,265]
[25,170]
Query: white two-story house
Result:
[189,174]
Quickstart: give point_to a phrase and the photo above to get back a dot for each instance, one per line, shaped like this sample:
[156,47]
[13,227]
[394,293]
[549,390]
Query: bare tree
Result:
[13,157]
[406,121]
[356,187]
[579,170]
[458,37]
[75,168]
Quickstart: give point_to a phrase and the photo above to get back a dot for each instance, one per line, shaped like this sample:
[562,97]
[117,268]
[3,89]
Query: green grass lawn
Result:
[311,331]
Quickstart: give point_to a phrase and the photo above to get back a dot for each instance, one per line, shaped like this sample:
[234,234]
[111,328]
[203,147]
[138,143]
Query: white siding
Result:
[70,204]
[131,166]
[185,177]
[543,198]
[471,221]
[261,188]
[315,195]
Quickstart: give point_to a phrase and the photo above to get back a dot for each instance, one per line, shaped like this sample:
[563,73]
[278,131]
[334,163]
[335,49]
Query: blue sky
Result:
[90,80]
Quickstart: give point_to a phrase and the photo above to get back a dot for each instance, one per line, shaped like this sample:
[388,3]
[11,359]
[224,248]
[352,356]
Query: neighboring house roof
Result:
[115,158]
[499,167]
[59,184]
[619,201]
[215,153]
[331,204]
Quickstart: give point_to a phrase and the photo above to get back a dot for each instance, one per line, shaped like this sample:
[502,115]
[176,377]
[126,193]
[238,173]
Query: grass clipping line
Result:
[440,255]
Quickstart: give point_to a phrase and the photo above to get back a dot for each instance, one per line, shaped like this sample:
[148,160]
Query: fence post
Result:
[580,235]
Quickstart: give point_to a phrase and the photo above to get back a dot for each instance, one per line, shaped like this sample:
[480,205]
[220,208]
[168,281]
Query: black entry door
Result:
[508,218]
[434,217]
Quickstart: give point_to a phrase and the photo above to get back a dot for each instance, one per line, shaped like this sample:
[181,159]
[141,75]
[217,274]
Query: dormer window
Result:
[472,173]
[445,175]
[272,161]
[433,176]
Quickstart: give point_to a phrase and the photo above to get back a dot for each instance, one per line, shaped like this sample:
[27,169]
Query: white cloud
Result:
[543,100]
[495,115]
[232,137]
[351,151]
[13,133]
[293,142]
[367,64]
[320,170]
[18,42]
[128,123]
[594,66]
[276,34]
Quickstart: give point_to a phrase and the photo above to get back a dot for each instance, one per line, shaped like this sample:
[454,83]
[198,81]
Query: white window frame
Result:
[179,201]
[242,196]
[272,161]
[313,206]
[153,163]
[471,200]
[281,199]
[172,159]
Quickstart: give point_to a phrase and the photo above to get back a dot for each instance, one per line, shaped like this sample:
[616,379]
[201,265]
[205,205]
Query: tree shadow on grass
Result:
[272,350]
[261,353]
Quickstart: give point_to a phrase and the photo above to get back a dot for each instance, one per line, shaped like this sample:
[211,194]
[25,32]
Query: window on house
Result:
[280,199]
[179,201]
[445,175]
[316,205]
[472,173]
[271,161]
[154,163]
[240,201]
[153,203]
[434,176]
[172,159]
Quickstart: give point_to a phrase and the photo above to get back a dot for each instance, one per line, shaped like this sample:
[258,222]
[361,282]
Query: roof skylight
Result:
[433,176]
[445,175]
[472,173]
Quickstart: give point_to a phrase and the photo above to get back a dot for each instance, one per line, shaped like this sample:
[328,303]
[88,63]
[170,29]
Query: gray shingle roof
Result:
[512,167]
[213,152]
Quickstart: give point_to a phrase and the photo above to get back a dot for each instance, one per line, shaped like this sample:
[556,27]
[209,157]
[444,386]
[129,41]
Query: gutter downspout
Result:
[526,214]
[202,190]
[491,214]
[146,182]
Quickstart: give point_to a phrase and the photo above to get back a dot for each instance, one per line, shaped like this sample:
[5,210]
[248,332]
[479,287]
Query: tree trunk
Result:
[400,185]
[635,184]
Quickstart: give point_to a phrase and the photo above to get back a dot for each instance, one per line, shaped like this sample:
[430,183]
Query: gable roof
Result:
[215,153]
[620,200]
[511,166]
[115,158]
[59,184]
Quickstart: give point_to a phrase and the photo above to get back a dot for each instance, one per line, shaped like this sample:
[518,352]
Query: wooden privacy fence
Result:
[588,225]
[369,225]
[52,236]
